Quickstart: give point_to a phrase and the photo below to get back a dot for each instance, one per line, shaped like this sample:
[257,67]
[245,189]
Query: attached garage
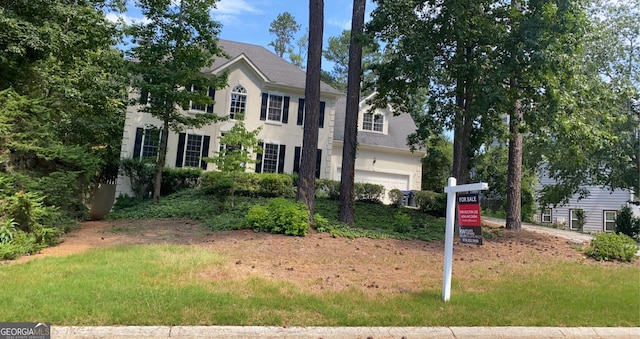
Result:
[388,180]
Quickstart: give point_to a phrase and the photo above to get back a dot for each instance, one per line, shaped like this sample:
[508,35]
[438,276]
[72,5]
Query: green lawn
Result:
[161,285]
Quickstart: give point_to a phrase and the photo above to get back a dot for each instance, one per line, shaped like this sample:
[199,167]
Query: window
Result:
[274,108]
[610,221]
[373,122]
[191,149]
[576,219]
[297,157]
[202,107]
[545,218]
[301,113]
[146,143]
[272,158]
[238,102]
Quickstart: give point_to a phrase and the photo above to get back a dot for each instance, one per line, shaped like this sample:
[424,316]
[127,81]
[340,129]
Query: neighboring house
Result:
[266,91]
[600,209]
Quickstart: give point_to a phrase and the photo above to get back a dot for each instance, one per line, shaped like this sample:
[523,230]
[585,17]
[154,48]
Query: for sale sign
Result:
[469,219]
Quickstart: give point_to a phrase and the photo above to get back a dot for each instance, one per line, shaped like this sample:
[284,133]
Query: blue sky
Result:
[248,20]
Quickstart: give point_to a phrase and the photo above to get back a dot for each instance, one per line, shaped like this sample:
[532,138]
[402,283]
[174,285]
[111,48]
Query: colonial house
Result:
[267,92]
[598,211]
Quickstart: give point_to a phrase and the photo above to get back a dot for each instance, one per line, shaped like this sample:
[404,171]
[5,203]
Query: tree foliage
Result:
[238,146]
[170,51]
[284,27]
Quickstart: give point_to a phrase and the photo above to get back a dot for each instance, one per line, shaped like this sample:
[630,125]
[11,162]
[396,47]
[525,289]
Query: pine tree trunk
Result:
[347,210]
[307,178]
[514,172]
[162,156]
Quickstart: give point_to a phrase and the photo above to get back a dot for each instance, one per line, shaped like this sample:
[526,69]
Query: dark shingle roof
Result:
[400,127]
[276,69]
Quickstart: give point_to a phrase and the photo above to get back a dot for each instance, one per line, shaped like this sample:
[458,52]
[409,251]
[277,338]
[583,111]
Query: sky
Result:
[248,20]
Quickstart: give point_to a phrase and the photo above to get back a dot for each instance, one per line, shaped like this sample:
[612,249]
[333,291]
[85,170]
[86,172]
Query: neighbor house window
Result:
[373,122]
[238,102]
[146,143]
[545,218]
[274,108]
[272,158]
[576,218]
[202,107]
[192,148]
[610,221]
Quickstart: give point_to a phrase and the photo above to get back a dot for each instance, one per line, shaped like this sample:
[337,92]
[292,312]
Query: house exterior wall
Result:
[289,134]
[387,165]
[594,206]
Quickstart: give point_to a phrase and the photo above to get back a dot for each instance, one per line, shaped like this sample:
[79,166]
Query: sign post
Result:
[451,191]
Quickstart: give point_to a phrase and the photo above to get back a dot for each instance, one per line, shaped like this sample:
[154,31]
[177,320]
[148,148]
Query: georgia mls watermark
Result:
[25,330]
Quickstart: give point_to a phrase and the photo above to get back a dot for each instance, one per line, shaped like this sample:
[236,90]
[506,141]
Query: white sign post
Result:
[451,191]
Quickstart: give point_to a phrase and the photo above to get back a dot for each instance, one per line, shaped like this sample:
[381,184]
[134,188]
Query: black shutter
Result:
[144,94]
[212,95]
[182,137]
[259,158]
[300,111]
[205,151]
[263,108]
[322,104]
[285,111]
[296,159]
[318,162]
[281,159]
[137,146]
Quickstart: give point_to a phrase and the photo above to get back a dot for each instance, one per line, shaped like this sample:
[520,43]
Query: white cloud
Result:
[234,7]
[115,17]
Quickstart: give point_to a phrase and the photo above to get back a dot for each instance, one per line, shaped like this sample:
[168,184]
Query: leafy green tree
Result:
[284,27]
[307,178]
[337,51]
[436,165]
[238,146]
[299,57]
[171,49]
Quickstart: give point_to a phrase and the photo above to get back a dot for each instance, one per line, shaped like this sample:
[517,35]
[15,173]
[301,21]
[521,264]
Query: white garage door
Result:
[388,180]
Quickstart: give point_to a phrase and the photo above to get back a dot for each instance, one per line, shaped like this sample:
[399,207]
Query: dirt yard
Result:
[319,261]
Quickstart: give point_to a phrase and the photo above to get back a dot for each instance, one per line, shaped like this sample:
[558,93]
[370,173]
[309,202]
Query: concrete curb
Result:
[148,332]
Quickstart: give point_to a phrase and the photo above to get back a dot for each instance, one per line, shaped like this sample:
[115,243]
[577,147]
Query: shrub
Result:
[329,187]
[140,173]
[279,216]
[368,192]
[431,202]
[245,183]
[217,184]
[396,195]
[7,231]
[612,246]
[627,224]
[275,185]
[176,179]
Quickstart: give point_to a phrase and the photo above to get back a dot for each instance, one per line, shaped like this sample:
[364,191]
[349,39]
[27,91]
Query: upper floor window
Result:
[373,122]
[610,221]
[274,108]
[302,113]
[211,92]
[238,102]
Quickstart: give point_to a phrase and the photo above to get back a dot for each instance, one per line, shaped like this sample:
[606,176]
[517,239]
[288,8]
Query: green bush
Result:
[431,202]
[140,174]
[7,231]
[217,184]
[279,215]
[612,246]
[368,192]
[396,195]
[176,179]
[275,185]
[329,187]
[245,183]
[627,224]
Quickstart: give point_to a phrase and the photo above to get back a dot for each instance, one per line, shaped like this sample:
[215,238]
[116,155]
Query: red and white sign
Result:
[469,219]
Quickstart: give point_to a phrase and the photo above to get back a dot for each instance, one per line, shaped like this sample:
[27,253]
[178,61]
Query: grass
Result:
[372,220]
[165,285]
